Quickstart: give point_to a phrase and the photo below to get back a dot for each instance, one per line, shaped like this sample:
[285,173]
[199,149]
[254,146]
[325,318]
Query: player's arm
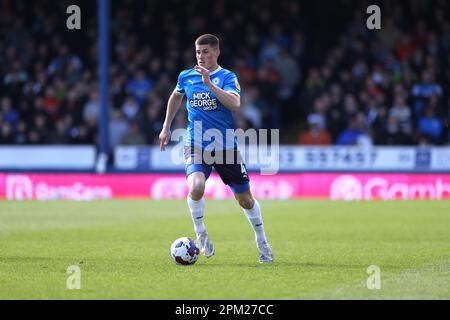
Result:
[228,99]
[173,105]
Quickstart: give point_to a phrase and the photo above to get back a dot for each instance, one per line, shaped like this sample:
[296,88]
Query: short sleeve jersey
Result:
[209,122]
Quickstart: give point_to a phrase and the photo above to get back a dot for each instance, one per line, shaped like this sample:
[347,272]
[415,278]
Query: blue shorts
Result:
[228,164]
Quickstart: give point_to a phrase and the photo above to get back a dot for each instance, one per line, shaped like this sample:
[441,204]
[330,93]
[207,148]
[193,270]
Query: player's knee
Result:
[197,189]
[246,202]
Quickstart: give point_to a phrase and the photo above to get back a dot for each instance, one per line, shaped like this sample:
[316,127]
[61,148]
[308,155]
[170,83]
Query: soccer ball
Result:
[184,251]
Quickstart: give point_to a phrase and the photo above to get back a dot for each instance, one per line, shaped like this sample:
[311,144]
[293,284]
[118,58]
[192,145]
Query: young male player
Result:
[213,94]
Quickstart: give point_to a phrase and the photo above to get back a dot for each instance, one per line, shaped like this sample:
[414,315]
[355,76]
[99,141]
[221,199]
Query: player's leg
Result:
[235,175]
[252,211]
[195,200]
[196,184]
[196,178]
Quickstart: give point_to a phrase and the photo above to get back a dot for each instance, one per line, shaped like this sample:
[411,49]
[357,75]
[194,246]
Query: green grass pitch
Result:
[322,250]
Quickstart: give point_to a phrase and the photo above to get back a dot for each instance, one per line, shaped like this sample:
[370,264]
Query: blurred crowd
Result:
[358,86]
[389,87]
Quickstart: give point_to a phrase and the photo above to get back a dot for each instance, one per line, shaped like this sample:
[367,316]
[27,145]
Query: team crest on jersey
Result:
[216,81]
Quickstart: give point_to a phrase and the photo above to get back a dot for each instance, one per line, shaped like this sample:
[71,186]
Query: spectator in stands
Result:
[250,110]
[270,50]
[351,106]
[151,123]
[81,135]
[314,84]
[17,77]
[354,134]
[6,133]
[402,113]
[430,126]
[51,102]
[65,61]
[269,79]
[246,74]
[139,86]
[14,81]
[73,105]
[405,48]
[289,72]
[41,126]
[377,118]
[336,120]
[316,134]
[8,113]
[21,133]
[130,107]
[394,135]
[424,90]
[61,133]
[118,126]
[133,135]
[91,110]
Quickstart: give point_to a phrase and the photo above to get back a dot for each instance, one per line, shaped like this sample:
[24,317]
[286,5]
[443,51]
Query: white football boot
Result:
[265,252]
[205,245]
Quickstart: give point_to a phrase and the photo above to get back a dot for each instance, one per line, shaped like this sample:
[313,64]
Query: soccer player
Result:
[213,94]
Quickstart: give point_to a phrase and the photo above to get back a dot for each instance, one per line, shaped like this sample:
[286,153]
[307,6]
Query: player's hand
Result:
[205,74]
[164,137]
